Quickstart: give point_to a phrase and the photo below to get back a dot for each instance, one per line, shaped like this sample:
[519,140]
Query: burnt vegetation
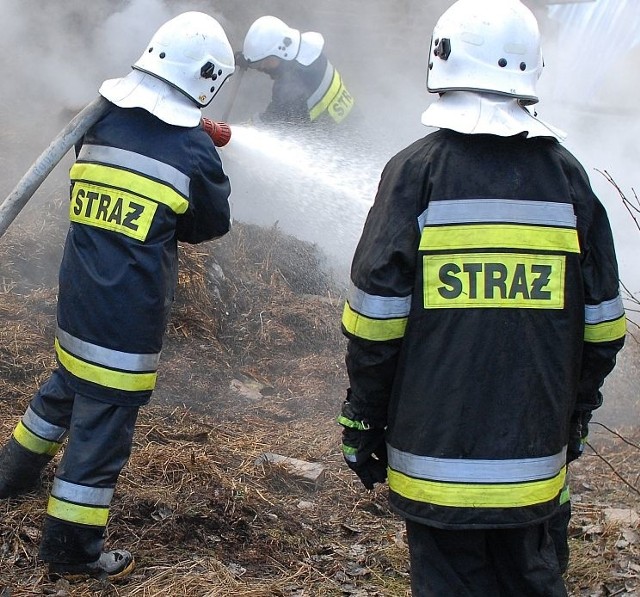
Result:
[253,364]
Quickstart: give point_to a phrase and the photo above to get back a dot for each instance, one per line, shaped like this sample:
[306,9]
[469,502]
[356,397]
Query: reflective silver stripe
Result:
[81,494]
[318,94]
[114,359]
[604,311]
[456,470]
[467,211]
[140,163]
[378,307]
[42,428]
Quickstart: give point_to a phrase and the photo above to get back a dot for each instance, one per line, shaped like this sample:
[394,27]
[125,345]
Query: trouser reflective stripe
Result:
[79,504]
[99,445]
[33,443]
[38,435]
[45,423]
[42,427]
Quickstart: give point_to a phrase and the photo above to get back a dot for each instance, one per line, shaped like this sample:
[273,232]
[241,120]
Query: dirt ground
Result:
[253,364]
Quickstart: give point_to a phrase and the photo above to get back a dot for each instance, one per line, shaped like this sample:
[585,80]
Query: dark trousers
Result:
[559,531]
[483,563]
[98,446]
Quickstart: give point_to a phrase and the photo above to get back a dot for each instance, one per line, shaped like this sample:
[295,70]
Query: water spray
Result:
[309,184]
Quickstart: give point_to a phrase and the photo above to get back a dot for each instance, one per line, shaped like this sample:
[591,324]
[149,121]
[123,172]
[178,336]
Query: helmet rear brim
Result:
[142,90]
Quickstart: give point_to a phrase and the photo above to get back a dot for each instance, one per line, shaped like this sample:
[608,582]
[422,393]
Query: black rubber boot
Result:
[20,469]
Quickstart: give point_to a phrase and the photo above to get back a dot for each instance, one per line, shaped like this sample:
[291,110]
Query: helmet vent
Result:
[443,48]
[286,42]
[208,71]
[523,66]
[162,54]
[502,62]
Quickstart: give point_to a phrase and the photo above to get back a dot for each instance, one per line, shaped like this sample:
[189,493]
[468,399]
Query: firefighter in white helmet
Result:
[307,88]
[146,176]
[483,318]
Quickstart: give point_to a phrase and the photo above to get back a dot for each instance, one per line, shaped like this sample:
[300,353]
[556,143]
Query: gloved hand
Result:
[241,62]
[364,448]
[578,434]
[579,425]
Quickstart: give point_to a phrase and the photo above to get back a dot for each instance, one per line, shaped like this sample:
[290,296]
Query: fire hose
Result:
[48,160]
[220,133]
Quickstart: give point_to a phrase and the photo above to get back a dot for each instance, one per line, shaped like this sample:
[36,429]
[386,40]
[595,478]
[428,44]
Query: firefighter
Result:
[483,317]
[146,176]
[307,88]
[559,522]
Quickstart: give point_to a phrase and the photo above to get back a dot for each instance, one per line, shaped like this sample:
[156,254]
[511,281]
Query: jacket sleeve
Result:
[605,323]
[288,102]
[382,279]
[209,214]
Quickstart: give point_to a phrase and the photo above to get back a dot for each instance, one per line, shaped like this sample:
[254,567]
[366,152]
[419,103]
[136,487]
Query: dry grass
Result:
[253,363]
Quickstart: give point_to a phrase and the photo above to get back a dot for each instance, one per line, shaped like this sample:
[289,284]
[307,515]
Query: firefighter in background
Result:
[307,88]
[146,176]
[483,317]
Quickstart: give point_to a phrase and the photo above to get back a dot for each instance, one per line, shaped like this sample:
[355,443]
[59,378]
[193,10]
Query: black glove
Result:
[364,449]
[579,425]
[241,62]
[578,434]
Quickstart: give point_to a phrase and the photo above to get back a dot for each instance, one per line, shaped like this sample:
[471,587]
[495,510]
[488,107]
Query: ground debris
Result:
[310,474]
[202,519]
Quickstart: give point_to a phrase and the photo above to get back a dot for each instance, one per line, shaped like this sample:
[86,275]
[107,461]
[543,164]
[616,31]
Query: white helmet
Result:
[185,64]
[192,53]
[269,36]
[486,45]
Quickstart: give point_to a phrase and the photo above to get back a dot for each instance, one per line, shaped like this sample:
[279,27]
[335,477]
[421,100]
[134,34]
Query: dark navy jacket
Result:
[484,310]
[138,186]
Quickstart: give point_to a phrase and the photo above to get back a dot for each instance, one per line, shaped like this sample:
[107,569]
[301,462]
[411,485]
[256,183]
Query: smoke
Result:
[57,53]
[309,186]
[592,52]
[60,52]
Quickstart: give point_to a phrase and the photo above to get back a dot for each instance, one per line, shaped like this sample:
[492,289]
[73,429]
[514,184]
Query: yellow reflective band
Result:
[607,331]
[476,280]
[565,496]
[90,515]
[33,443]
[496,236]
[114,210]
[130,382]
[366,328]
[337,101]
[323,104]
[108,177]
[341,104]
[463,495]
